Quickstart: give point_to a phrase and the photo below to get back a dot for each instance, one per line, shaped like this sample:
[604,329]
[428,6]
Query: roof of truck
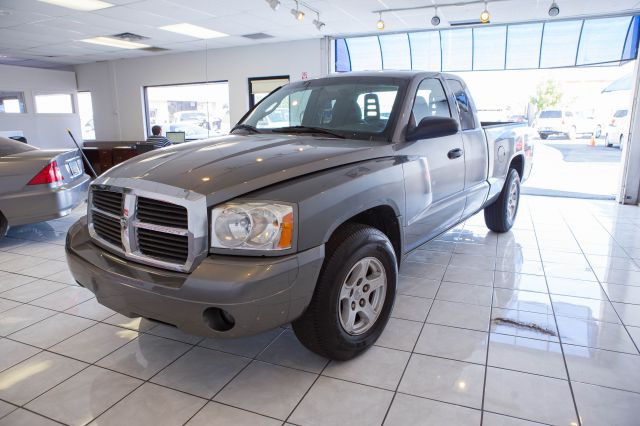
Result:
[405,74]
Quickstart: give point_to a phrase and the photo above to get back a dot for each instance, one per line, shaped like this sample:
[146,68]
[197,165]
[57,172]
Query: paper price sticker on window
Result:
[304,75]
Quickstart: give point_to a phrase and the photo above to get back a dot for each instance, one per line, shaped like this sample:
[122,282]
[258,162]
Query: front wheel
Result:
[354,294]
[500,215]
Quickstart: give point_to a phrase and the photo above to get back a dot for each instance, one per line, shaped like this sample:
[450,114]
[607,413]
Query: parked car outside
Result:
[304,224]
[38,184]
[558,121]
[278,118]
[618,130]
[191,131]
[199,118]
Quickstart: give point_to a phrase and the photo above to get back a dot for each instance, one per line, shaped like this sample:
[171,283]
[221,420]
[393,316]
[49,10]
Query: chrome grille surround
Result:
[132,189]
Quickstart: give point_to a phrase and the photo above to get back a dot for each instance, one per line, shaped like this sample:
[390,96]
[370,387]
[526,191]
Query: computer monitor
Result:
[176,137]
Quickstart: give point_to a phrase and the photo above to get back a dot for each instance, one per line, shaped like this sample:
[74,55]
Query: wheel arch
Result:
[382,217]
[517,163]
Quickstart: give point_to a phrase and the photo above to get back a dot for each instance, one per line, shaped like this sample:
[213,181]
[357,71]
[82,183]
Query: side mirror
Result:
[433,127]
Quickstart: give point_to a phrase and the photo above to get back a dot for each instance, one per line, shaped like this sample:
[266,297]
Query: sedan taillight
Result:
[49,174]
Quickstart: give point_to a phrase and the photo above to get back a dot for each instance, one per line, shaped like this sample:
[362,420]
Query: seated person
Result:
[157,139]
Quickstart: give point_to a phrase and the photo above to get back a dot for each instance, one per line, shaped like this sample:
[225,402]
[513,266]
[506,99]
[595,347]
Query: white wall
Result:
[41,130]
[117,86]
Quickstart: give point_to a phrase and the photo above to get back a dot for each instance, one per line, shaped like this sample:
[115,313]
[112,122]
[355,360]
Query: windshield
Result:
[551,114]
[353,108]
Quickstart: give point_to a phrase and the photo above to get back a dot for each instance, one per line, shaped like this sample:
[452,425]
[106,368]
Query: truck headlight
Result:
[252,226]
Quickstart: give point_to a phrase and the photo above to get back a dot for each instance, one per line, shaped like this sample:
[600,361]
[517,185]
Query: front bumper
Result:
[45,204]
[260,293]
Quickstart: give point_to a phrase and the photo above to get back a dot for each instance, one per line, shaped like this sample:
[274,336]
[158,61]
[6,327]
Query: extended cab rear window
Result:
[620,113]
[551,114]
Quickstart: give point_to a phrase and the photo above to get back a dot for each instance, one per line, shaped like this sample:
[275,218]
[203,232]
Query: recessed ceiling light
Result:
[554,10]
[193,31]
[114,42]
[83,5]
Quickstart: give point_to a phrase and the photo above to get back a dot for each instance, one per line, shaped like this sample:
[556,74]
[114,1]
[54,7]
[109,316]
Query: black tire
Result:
[4,225]
[544,137]
[320,328]
[497,215]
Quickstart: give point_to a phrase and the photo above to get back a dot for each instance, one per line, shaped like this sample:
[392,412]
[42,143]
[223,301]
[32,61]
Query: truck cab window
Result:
[465,107]
[430,101]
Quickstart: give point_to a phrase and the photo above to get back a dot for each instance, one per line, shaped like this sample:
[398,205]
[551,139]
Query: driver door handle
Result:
[455,153]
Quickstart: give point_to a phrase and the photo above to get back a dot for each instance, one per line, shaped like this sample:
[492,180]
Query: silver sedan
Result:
[38,185]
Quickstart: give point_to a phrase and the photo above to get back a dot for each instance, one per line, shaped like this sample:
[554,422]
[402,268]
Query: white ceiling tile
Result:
[127,14]
[180,12]
[18,17]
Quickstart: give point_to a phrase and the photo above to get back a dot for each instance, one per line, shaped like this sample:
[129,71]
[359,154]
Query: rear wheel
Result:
[500,215]
[543,137]
[4,225]
[354,294]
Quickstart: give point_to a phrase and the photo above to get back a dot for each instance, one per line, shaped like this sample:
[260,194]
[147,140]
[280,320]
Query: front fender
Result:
[329,198]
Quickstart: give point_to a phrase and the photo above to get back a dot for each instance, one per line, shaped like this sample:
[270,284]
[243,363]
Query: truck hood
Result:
[233,165]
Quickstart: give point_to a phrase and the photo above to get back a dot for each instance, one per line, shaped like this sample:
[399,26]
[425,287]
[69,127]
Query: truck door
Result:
[476,153]
[434,178]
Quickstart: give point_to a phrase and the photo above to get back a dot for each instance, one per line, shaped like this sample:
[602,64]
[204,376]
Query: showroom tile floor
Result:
[541,324]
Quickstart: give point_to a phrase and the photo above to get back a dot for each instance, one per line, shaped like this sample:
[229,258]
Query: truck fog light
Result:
[218,319]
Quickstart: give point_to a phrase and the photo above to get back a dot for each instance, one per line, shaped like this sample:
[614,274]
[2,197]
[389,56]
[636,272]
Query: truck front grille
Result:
[159,245]
[146,229]
[107,228]
[107,201]
[160,213]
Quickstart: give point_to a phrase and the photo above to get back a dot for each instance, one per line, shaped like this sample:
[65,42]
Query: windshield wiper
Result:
[307,129]
[248,127]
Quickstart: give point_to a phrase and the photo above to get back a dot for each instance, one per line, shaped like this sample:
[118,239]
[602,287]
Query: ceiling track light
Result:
[485,16]
[274,4]
[297,13]
[435,21]
[554,10]
[318,23]
[380,23]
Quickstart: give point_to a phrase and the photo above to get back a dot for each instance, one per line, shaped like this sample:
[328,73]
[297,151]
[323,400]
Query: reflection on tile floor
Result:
[538,325]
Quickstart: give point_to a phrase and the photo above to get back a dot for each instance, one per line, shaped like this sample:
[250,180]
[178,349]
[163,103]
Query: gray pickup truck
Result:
[305,223]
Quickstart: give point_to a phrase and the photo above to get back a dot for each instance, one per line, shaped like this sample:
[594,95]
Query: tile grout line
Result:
[564,358]
[384,419]
[624,325]
[486,362]
[252,360]
[636,345]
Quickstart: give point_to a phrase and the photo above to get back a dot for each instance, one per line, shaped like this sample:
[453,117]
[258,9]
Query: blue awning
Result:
[553,44]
